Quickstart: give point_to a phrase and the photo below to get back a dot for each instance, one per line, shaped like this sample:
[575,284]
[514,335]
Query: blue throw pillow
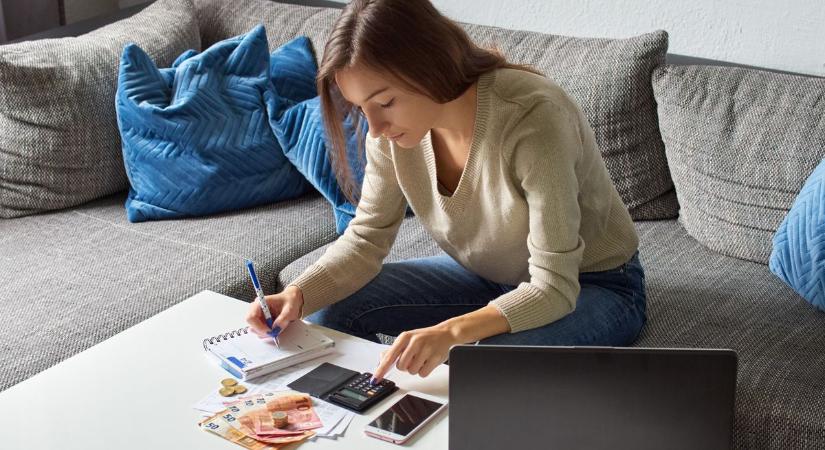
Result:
[300,130]
[292,69]
[798,255]
[196,138]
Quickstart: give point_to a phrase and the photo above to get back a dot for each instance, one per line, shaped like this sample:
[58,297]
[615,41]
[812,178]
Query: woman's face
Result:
[390,109]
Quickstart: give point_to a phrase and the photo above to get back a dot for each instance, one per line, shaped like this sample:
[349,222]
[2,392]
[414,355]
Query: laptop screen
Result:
[591,398]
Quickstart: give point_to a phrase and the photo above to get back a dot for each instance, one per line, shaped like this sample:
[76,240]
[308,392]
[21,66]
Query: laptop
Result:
[532,397]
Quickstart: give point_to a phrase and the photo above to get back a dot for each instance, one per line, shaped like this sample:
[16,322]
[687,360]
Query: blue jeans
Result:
[422,292]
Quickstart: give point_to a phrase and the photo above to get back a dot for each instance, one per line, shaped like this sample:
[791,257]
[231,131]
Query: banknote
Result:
[226,425]
[251,417]
[251,410]
[219,426]
[250,422]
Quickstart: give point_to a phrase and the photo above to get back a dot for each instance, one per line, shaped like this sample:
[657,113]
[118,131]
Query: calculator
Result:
[359,395]
[343,387]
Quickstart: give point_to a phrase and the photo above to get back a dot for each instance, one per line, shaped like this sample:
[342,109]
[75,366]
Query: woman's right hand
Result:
[285,307]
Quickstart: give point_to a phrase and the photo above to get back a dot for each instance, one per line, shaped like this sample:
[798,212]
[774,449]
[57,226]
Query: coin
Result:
[239,389]
[229,382]
[280,419]
[227,391]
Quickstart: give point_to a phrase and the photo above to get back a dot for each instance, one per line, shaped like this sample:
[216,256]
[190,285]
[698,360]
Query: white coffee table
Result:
[110,396]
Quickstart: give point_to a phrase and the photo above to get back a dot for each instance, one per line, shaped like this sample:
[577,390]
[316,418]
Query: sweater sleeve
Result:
[547,150]
[356,256]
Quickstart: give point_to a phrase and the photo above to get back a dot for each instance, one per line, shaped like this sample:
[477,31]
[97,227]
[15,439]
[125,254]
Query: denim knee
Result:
[325,318]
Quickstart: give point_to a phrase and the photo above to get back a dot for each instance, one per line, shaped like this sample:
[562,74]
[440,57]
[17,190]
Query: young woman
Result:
[502,169]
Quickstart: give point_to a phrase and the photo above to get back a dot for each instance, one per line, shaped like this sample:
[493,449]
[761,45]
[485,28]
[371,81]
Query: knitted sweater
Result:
[533,208]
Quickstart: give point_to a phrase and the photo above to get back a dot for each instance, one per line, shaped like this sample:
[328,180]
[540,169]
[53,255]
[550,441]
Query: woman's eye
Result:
[388,104]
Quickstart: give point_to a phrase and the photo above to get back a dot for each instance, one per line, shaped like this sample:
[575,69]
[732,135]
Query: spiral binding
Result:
[215,339]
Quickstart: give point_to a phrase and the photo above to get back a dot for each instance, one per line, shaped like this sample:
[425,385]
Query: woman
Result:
[502,169]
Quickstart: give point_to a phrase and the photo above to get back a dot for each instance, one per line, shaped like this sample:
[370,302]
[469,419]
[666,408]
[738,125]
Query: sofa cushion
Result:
[220,19]
[698,298]
[798,255]
[104,274]
[740,143]
[59,141]
[196,139]
[609,78]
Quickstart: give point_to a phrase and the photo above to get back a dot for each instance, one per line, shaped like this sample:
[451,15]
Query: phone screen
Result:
[405,415]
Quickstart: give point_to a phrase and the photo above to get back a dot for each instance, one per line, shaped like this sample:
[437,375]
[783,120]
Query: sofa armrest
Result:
[85,26]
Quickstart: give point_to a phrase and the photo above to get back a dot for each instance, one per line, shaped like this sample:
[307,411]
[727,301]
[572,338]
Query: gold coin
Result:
[227,391]
[239,389]
[229,382]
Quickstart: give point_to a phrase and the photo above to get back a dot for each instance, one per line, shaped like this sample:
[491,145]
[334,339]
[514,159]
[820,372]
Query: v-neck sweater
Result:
[534,207]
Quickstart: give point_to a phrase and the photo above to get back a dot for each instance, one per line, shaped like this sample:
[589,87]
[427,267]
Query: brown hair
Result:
[409,39]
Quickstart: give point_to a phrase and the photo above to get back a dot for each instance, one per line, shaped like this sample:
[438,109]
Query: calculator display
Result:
[352,394]
[406,414]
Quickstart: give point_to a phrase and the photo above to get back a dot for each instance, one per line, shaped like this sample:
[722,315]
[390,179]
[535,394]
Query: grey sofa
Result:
[73,277]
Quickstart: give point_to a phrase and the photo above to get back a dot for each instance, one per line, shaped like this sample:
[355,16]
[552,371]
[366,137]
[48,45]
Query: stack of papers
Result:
[334,418]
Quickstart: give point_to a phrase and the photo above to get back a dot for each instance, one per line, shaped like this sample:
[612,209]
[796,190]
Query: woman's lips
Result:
[396,136]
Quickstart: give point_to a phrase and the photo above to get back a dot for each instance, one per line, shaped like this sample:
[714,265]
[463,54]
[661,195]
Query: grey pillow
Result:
[221,19]
[59,140]
[740,144]
[610,80]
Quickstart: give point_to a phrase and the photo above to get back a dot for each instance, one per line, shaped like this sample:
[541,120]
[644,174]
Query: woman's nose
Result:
[376,130]
[376,126]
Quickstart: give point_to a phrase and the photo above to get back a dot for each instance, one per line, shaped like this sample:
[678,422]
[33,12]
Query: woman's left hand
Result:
[418,351]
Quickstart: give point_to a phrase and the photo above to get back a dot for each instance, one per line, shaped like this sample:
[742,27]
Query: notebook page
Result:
[249,350]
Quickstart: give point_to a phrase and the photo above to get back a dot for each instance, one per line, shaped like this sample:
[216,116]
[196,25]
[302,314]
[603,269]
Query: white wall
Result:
[779,34]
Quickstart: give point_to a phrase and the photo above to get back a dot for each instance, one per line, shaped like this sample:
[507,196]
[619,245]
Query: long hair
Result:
[409,39]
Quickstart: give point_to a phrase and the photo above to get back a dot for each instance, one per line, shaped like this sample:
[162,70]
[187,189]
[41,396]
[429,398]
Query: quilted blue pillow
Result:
[292,69]
[798,255]
[299,129]
[195,136]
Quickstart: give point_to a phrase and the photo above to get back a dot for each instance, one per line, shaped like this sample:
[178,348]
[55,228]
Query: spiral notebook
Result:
[244,355]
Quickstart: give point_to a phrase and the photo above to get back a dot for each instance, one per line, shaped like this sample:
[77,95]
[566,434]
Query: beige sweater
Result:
[534,207]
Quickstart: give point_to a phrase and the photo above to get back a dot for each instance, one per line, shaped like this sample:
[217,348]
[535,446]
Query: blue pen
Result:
[262,301]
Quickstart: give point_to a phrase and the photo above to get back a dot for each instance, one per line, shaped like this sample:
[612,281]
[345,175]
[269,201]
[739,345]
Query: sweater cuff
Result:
[317,288]
[528,307]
